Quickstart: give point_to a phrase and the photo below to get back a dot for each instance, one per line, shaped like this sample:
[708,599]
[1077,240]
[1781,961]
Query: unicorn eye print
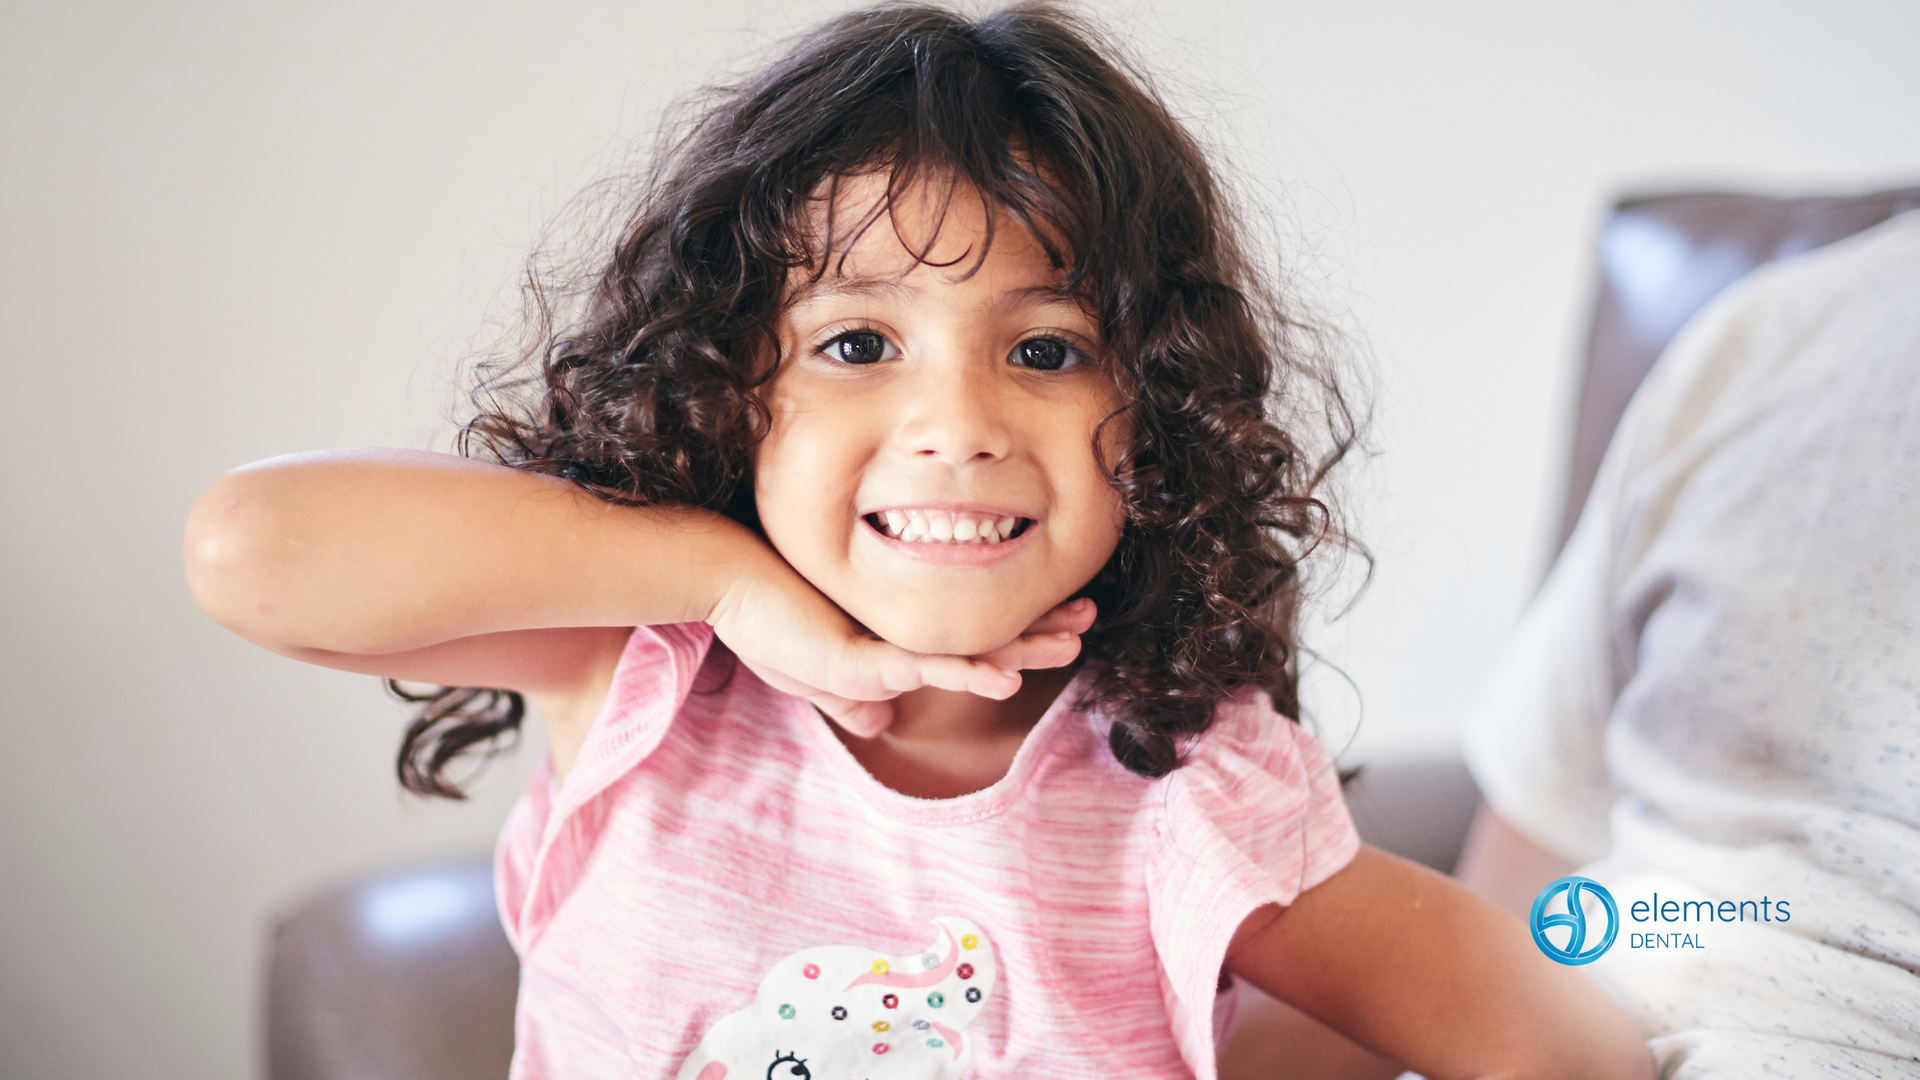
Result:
[794,1068]
[845,1012]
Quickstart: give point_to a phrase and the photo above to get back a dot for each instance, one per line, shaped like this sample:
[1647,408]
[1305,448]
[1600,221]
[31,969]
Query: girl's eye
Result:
[1045,354]
[858,347]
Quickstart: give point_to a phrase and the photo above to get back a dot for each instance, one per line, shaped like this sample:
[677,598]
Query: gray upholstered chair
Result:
[405,975]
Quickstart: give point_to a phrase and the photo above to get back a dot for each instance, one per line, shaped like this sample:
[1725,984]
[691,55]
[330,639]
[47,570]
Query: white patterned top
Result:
[1717,693]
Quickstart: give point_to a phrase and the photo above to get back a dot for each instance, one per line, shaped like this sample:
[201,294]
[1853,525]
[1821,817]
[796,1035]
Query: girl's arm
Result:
[1416,968]
[1501,864]
[436,568]
[386,552]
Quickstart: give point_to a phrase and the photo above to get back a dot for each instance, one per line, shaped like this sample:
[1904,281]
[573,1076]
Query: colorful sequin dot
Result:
[879,967]
[936,999]
[890,1001]
[930,961]
[973,993]
[920,1025]
[935,1043]
[969,941]
[839,1012]
[879,1048]
[811,971]
[786,1012]
[879,1025]
[965,971]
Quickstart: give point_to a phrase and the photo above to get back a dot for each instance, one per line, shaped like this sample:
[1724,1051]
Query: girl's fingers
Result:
[779,680]
[901,671]
[1052,641]
[992,680]
[864,719]
[1048,650]
[1074,616]
[858,678]
[874,673]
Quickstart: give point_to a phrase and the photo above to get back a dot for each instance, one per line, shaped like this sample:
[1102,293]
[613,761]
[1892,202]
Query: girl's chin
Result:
[932,633]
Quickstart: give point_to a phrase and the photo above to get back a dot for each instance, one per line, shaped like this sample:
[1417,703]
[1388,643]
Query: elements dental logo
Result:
[1574,951]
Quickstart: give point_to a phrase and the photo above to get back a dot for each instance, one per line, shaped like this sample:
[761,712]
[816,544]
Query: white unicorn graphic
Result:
[844,1012]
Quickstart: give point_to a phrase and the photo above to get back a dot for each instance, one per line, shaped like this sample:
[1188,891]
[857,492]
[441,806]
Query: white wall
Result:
[229,231]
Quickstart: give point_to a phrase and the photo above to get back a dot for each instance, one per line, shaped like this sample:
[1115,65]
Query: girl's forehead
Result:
[862,228]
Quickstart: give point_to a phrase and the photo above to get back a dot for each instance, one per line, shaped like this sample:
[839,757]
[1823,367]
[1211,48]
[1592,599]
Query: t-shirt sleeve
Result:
[655,674]
[532,868]
[1254,817]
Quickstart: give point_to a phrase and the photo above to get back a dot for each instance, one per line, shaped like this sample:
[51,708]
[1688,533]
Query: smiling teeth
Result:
[945,527]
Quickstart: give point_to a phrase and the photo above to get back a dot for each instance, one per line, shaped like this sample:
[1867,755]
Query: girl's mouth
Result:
[947,526]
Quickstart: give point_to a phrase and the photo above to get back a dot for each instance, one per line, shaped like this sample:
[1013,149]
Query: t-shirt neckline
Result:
[978,805]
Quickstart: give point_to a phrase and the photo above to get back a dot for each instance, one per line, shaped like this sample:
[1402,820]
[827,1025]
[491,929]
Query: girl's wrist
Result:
[746,565]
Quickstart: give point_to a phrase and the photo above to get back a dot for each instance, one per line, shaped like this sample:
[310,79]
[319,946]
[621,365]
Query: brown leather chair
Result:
[1661,259]
[401,975]
[406,975]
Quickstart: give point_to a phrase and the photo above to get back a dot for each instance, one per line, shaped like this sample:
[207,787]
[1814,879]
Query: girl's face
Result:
[931,463]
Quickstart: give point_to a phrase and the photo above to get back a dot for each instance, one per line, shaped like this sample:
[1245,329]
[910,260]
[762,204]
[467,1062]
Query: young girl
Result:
[901,544]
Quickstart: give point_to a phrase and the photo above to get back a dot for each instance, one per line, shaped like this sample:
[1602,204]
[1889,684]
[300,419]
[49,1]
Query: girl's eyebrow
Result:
[1037,295]
[826,289]
[1013,299]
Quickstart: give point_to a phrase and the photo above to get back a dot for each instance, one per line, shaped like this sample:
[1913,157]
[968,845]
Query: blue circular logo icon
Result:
[1574,951]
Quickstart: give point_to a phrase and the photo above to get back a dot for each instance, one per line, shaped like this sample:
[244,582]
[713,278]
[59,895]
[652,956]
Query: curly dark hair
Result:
[640,381]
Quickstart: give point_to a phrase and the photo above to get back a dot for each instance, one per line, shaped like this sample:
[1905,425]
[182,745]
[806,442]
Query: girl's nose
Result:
[954,412]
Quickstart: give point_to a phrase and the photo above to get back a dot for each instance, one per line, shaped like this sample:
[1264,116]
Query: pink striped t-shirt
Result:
[719,891]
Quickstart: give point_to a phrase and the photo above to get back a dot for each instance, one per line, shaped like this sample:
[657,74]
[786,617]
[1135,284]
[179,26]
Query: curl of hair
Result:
[640,377]
[452,720]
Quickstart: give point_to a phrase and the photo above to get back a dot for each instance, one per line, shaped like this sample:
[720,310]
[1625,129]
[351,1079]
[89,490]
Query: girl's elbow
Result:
[228,563]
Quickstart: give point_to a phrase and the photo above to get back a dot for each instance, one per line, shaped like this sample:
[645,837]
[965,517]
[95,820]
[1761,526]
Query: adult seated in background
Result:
[1716,695]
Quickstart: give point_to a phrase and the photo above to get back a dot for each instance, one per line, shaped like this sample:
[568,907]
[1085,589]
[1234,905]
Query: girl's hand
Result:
[798,641]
